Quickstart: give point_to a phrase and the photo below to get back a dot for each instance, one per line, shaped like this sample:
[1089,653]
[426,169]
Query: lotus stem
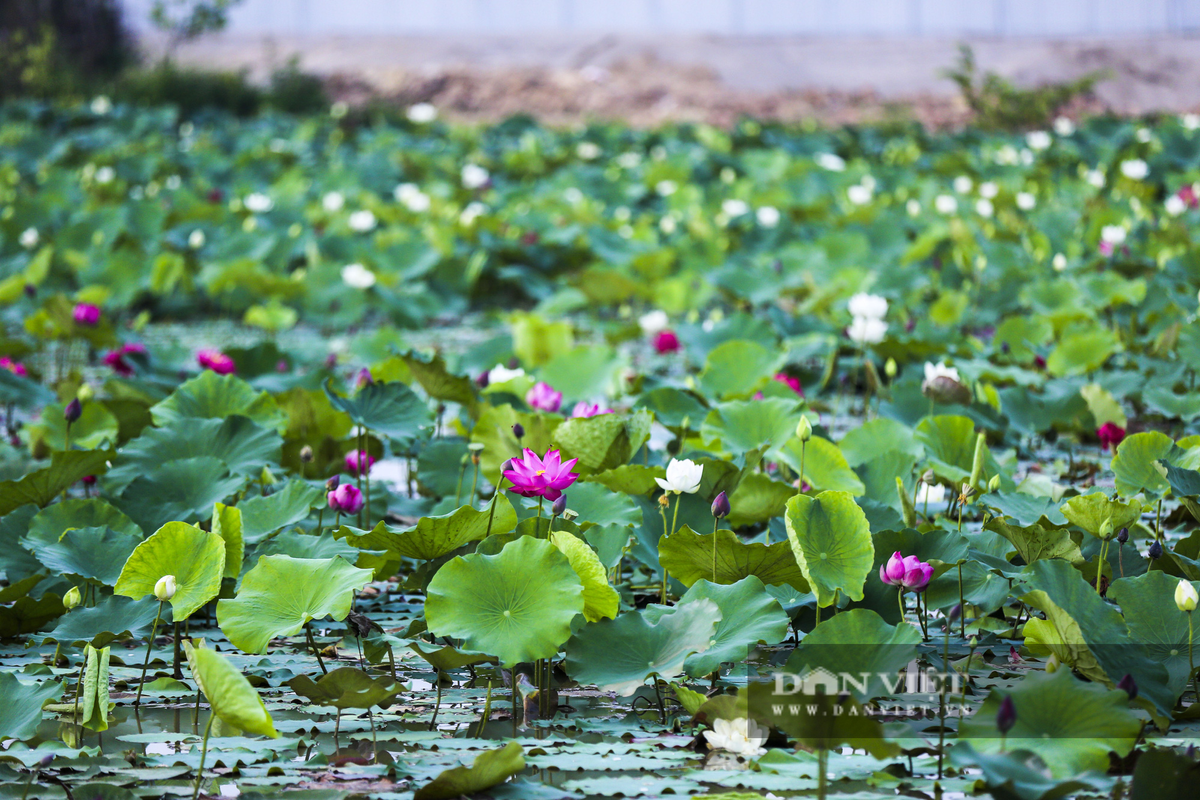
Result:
[538,525]
[1191,663]
[492,508]
[487,711]
[962,618]
[942,698]
[900,599]
[320,521]
[313,644]
[462,473]
[367,480]
[800,480]
[823,772]
[437,704]
[149,647]
[716,524]
[203,754]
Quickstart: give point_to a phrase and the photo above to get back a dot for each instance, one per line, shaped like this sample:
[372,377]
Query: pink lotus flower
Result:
[543,397]
[1105,248]
[346,499]
[586,409]
[1110,435]
[116,358]
[666,342]
[908,571]
[791,383]
[86,314]
[15,367]
[546,477]
[363,378]
[356,461]
[1188,195]
[217,361]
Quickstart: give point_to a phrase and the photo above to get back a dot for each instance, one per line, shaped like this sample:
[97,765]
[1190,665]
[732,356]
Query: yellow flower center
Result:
[539,472]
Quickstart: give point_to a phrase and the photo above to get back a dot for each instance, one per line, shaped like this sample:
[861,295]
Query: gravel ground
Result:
[647,81]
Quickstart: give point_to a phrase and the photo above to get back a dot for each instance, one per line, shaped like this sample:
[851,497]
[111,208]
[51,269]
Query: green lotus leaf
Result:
[95,427]
[1185,483]
[21,710]
[114,618]
[1071,725]
[741,426]
[609,542]
[629,478]
[516,605]
[618,655]
[1083,352]
[434,537]
[878,476]
[600,600]
[213,396]
[875,436]
[591,370]
[1037,542]
[280,594]
[55,520]
[196,558]
[757,498]
[93,699]
[386,409]
[737,367]
[1092,511]
[230,695]
[825,468]
[44,485]
[950,444]
[180,490]
[860,644]
[688,557]
[27,614]
[23,392]
[1134,463]
[494,431]
[1023,774]
[347,688]
[602,442]
[672,406]
[595,504]
[749,616]
[439,383]
[446,659]
[1156,625]
[95,555]
[490,768]
[227,523]
[831,541]
[262,516]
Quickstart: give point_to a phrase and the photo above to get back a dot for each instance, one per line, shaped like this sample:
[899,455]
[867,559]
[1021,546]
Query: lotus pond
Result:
[403,459]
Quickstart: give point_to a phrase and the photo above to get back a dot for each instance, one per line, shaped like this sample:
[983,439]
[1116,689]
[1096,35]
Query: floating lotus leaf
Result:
[21,710]
[490,768]
[113,618]
[347,687]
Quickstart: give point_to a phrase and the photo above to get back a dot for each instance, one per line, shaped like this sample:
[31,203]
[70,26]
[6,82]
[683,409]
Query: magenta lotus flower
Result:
[1110,435]
[363,378]
[790,382]
[86,314]
[116,358]
[909,572]
[15,367]
[586,409]
[217,361]
[346,499]
[356,461]
[666,342]
[546,477]
[543,397]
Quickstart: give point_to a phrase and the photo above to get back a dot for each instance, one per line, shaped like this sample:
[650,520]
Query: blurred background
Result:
[644,61]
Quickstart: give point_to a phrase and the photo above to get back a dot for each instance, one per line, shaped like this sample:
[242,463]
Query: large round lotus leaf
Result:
[1082,352]
[434,537]
[490,768]
[757,498]
[21,710]
[387,409]
[744,425]
[115,617]
[178,490]
[196,558]
[1092,511]
[831,540]
[737,366]
[230,695]
[595,504]
[1070,724]
[262,516]
[1156,626]
[824,465]
[858,643]
[516,605]
[213,396]
[53,521]
[688,557]
[749,616]
[1134,467]
[90,554]
[44,485]
[604,441]
[618,655]
[280,594]
[347,688]
[600,600]
[880,435]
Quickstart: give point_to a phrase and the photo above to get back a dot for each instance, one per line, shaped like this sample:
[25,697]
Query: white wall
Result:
[732,17]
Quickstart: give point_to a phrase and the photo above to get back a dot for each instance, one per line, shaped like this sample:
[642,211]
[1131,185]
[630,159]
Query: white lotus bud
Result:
[164,590]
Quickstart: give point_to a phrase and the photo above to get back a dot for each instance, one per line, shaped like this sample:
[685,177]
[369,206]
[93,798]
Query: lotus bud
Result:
[1052,665]
[46,760]
[994,484]
[506,466]
[266,478]
[1185,596]
[333,483]
[85,393]
[804,429]
[955,613]
[890,369]
[72,598]
[164,590]
[928,478]
[1129,685]
[1155,551]
[974,642]
[73,411]
[518,431]
[720,506]
[1123,535]
[559,506]
[30,290]
[686,423]
[1006,717]
[1106,528]
[306,454]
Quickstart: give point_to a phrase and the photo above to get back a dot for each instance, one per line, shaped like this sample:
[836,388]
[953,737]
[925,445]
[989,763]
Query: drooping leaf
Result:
[490,768]
[688,556]
[600,600]
[230,695]
[93,700]
[347,688]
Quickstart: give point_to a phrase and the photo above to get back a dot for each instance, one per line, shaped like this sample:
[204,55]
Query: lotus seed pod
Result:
[306,454]
[164,590]
[804,429]
[72,598]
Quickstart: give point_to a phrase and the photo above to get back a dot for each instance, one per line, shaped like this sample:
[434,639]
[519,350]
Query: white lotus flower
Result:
[1186,596]
[101,105]
[29,238]
[1059,262]
[667,224]
[666,188]
[474,176]
[421,113]
[629,160]
[864,330]
[1037,140]
[361,221]
[940,370]
[1143,135]
[1007,155]
[870,306]
[412,197]
[930,494]
[333,201]
[357,276]
[105,175]
[165,588]
[1175,205]
[682,477]
[1135,169]
[963,184]
[858,194]
[913,207]
[257,202]
[829,161]
[654,322]
[196,239]
[1190,121]
[587,150]
[767,216]
[945,204]
[1063,126]
[742,736]
[174,182]
[1026,201]
[988,190]
[984,207]
[501,373]
[735,207]
[473,211]
[1096,178]
[1113,234]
